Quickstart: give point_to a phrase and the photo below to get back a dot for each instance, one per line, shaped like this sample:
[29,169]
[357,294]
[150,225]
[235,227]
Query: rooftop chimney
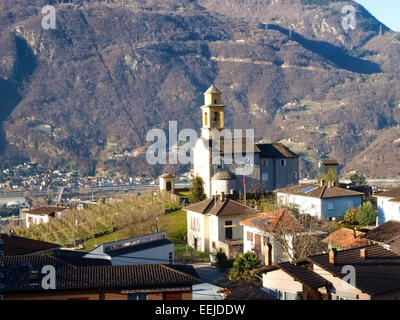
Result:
[329,184]
[332,256]
[223,198]
[363,253]
[321,182]
[354,233]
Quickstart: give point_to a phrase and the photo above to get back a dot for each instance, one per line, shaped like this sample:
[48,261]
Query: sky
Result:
[386,11]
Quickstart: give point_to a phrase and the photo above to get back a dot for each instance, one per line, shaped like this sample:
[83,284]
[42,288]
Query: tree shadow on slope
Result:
[335,54]
[10,97]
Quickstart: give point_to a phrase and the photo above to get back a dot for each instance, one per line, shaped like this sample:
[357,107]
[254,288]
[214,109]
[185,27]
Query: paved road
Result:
[208,274]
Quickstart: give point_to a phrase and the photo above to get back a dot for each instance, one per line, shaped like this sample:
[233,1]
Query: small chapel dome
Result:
[222,175]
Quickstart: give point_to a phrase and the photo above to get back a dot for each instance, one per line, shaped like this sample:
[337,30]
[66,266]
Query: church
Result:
[273,165]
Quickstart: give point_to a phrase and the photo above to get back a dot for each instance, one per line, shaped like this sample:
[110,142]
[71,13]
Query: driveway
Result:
[208,273]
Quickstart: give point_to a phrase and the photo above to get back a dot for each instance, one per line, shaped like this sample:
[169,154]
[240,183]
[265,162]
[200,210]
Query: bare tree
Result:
[298,234]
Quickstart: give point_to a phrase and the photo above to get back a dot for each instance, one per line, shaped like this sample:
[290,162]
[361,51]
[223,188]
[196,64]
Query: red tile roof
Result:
[270,219]
[345,239]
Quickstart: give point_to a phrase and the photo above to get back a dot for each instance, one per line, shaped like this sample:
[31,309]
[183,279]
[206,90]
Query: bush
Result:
[366,214]
[351,216]
[222,259]
[243,265]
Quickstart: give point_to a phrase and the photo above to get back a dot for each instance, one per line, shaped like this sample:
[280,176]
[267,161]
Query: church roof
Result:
[212,89]
[275,150]
[222,175]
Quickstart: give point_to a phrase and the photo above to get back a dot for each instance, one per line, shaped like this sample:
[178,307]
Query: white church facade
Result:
[273,165]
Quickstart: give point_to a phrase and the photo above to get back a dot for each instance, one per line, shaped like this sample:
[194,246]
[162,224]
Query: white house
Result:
[43,215]
[322,201]
[258,240]
[148,249]
[215,223]
[328,276]
[388,205]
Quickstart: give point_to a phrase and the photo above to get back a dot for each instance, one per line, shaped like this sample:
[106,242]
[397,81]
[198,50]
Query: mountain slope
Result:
[78,95]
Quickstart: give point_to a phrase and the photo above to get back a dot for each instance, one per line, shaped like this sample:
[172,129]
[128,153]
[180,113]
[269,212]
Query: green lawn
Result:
[182,193]
[115,236]
[188,254]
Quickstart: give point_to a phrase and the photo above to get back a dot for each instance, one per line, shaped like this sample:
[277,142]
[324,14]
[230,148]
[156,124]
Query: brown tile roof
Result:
[345,239]
[275,150]
[303,275]
[377,274]
[14,245]
[270,219]
[394,194]
[47,210]
[386,233]
[220,208]
[316,191]
[17,269]
[266,150]
[247,291]
[232,143]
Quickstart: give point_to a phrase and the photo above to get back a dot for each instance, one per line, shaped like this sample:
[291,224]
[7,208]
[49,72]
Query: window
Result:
[350,203]
[265,176]
[295,175]
[137,296]
[205,119]
[170,258]
[283,163]
[228,230]
[331,205]
[265,163]
[249,236]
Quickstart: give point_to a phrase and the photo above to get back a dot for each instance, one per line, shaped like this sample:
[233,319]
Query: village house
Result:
[214,224]
[387,235]
[388,205]
[23,280]
[258,240]
[322,276]
[345,239]
[274,165]
[320,200]
[147,249]
[43,215]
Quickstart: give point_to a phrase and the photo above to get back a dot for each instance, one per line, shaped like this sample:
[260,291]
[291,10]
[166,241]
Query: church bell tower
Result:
[212,112]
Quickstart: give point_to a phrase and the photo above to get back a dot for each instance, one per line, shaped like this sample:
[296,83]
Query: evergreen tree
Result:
[197,191]
[242,266]
[366,214]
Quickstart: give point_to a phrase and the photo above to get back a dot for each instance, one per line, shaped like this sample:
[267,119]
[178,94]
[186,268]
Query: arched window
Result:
[205,119]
